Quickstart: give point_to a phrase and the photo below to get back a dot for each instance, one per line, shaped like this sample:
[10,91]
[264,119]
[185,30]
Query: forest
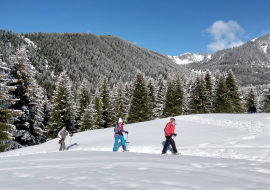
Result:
[41,93]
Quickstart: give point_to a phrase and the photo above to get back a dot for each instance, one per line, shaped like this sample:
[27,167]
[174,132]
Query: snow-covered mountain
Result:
[220,151]
[250,62]
[187,58]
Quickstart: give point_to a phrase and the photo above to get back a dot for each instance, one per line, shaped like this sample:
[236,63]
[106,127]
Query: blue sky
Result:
[169,27]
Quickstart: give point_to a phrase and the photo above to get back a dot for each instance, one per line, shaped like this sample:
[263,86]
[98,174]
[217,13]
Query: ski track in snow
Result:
[220,151]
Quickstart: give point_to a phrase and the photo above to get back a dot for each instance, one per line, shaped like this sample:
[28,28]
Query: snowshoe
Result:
[125,150]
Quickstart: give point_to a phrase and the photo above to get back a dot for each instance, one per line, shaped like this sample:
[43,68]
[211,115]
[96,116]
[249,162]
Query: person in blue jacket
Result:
[118,134]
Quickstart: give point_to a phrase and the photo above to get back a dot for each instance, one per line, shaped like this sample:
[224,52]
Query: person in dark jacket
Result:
[169,133]
[118,134]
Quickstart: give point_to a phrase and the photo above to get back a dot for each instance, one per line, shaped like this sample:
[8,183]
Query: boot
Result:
[124,150]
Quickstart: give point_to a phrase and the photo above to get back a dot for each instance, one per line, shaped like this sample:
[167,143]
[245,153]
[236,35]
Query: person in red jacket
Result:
[169,132]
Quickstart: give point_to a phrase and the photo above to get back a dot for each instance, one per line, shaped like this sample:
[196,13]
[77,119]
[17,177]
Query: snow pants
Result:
[62,145]
[116,142]
[169,141]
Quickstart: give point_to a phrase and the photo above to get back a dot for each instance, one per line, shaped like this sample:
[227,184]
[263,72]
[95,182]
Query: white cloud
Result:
[225,35]
[265,32]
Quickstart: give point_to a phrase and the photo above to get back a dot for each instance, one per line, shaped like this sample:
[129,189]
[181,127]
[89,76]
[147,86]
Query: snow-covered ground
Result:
[219,151]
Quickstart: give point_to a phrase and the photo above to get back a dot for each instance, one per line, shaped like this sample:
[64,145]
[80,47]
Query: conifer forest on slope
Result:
[86,82]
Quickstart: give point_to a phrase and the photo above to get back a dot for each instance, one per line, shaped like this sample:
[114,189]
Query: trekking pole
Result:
[127,141]
[70,140]
[56,145]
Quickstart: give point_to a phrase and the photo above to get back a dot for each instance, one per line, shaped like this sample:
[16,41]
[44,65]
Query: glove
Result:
[126,132]
[175,134]
[60,141]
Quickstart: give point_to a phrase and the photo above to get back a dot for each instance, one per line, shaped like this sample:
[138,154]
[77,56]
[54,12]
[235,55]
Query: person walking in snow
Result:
[62,135]
[118,134]
[169,133]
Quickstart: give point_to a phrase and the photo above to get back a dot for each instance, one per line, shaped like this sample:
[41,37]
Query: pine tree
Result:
[139,110]
[209,89]
[185,96]
[151,96]
[220,104]
[195,100]
[266,101]
[160,98]
[120,106]
[251,102]
[30,129]
[99,122]
[6,114]
[235,101]
[107,106]
[179,97]
[84,97]
[127,101]
[63,109]
[87,120]
[169,100]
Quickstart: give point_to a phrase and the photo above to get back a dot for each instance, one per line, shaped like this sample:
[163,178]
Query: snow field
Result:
[109,170]
[219,151]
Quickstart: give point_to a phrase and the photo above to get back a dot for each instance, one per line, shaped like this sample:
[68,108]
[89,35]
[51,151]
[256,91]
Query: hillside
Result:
[95,57]
[86,56]
[222,151]
[249,62]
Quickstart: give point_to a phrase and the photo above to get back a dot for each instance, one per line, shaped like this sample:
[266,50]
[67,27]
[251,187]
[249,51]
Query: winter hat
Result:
[120,120]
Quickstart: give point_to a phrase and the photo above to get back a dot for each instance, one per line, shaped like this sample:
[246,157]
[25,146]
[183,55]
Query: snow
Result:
[265,48]
[30,43]
[181,61]
[254,39]
[187,58]
[219,151]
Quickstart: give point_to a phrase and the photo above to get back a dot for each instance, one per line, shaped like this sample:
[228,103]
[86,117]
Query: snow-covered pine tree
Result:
[179,97]
[6,115]
[215,86]
[195,99]
[63,111]
[99,122]
[84,97]
[151,96]
[160,98]
[185,96]
[209,89]
[87,120]
[251,101]
[46,111]
[107,106]
[169,100]
[220,103]
[30,129]
[127,100]
[266,101]
[233,95]
[139,110]
[120,105]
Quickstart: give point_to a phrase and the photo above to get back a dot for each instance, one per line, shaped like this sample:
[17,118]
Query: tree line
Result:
[28,117]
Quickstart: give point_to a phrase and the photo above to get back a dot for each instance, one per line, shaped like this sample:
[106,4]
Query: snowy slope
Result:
[220,151]
[187,58]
